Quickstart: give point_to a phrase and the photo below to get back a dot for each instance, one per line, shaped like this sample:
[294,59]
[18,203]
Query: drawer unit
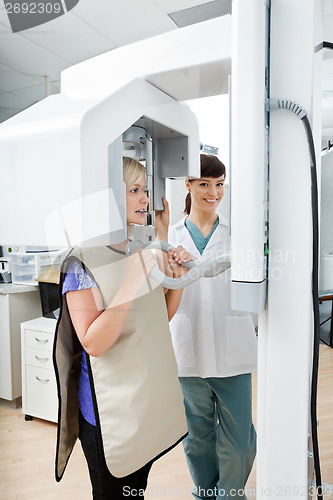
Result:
[39,390]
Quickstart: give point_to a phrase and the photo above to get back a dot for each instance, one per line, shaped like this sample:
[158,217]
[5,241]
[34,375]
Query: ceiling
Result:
[93,27]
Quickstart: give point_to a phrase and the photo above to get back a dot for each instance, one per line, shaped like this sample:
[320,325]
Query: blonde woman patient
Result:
[117,376]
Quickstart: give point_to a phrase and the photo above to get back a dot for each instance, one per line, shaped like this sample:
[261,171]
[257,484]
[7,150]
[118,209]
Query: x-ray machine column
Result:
[271,212]
[286,327]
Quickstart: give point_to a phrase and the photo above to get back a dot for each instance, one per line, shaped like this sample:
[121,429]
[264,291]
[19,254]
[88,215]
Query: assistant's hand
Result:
[162,218]
[176,258]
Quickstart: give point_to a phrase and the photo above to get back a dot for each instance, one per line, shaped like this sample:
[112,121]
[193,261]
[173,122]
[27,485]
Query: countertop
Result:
[6,288]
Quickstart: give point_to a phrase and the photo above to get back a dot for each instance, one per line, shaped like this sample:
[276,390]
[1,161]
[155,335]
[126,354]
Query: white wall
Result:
[326,226]
[213,118]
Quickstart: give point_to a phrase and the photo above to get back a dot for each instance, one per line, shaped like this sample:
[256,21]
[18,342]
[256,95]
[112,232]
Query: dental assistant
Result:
[215,349]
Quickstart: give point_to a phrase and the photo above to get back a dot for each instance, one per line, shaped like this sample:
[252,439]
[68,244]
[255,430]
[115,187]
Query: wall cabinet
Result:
[17,303]
[39,389]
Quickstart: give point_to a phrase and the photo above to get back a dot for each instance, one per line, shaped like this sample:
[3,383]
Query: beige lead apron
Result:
[135,384]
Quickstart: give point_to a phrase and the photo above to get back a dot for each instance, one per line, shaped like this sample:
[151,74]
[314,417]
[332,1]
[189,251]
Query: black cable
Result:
[315,295]
[295,108]
[273,104]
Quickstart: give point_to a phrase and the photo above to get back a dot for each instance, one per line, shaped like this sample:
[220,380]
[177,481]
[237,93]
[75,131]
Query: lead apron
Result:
[138,401]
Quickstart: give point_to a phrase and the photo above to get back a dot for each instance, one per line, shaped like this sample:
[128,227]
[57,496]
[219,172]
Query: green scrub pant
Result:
[221,444]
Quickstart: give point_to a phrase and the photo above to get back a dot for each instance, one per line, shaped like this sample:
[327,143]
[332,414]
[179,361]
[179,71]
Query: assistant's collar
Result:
[222,221]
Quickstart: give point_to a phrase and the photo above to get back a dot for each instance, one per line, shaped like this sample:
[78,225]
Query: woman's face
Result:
[136,202]
[206,193]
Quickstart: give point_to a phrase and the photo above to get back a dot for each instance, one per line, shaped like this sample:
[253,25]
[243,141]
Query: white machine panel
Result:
[67,178]
[248,156]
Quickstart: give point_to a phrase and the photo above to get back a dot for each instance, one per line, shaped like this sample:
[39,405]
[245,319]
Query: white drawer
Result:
[39,340]
[41,395]
[38,357]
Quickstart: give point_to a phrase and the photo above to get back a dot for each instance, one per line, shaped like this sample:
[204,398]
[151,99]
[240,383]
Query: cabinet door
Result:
[41,393]
[6,385]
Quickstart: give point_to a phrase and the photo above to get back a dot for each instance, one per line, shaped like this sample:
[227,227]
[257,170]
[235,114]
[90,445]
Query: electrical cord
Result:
[315,293]
[273,104]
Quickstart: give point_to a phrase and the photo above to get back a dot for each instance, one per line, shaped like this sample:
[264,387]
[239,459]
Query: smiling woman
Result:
[207,192]
[215,349]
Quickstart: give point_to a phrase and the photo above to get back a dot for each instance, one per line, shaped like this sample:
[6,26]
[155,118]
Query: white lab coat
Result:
[209,339]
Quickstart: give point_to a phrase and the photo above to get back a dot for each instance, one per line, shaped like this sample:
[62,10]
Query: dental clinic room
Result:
[166,249]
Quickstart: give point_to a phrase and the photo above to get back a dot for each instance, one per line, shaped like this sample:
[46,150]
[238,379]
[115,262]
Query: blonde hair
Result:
[133,171]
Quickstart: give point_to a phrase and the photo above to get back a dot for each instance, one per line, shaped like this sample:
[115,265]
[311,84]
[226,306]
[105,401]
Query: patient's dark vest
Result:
[137,398]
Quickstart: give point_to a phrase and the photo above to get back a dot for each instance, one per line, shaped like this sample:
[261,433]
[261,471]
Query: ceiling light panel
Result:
[202,12]
[6,113]
[4,23]
[36,93]
[11,80]
[28,57]
[8,100]
[124,22]
[61,37]
[170,6]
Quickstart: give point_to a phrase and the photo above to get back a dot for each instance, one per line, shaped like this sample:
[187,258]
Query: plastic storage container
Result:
[26,267]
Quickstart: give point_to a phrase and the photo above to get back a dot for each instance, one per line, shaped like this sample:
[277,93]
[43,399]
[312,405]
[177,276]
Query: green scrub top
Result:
[198,238]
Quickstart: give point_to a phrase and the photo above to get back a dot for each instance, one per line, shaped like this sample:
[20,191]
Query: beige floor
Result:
[27,456]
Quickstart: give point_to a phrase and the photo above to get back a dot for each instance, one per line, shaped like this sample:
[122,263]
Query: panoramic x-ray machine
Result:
[61,160]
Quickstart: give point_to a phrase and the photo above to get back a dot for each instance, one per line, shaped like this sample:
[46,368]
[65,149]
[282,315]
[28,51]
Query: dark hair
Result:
[210,166]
